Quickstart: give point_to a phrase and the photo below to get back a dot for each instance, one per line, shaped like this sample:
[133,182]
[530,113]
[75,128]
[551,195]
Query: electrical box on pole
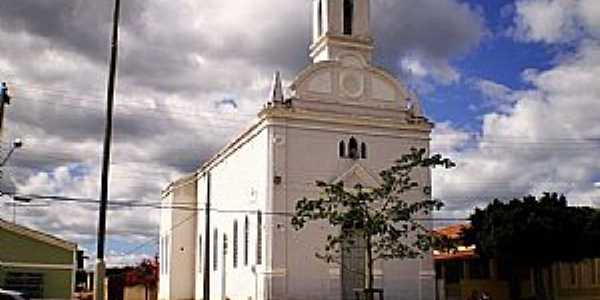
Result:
[4,96]
[4,100]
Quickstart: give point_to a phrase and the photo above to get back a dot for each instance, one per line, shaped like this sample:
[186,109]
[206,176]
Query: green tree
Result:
[381,218]
[535,233]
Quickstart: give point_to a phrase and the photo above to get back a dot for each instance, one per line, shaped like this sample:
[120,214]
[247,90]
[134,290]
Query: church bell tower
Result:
[339,27]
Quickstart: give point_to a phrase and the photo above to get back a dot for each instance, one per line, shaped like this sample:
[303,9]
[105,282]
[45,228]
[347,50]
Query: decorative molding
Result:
[352,82]
[280,272]
[345,130]
[309,115]
[362,174]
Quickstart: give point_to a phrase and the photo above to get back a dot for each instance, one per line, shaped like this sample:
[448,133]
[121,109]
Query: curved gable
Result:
[350,80]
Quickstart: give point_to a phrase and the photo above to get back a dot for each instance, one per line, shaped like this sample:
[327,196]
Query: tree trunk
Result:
[540,286]
[369,294]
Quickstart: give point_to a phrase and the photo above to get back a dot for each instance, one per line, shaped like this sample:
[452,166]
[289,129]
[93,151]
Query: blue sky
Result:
[498,58]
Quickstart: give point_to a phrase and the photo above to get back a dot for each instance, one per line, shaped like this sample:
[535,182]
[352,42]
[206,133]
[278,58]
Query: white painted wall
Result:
[179,227]
[165,223]
[238,183]
[299,152]
[311,154]
[338,97]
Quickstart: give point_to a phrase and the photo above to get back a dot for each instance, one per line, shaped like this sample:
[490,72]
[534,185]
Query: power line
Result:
[145,204]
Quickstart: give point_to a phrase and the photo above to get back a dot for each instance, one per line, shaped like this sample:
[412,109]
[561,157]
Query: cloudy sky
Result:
[514,87]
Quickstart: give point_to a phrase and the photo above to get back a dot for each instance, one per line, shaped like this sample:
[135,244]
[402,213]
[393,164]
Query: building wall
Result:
[177,242]
[23,255]
[239,188]
[578,281]
[139,292]
[164,286]
[23,249]
[567,281]
[56,283]
[308,154]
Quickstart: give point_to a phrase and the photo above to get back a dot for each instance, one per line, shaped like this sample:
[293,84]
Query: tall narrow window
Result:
[215,250]
[235,243]
[320,18]
[259,237]
[353,149]
[225,248]
[348,16]
[162,255]
[363,151]
[342,149]
[166,254]
[246,239]
[200,254]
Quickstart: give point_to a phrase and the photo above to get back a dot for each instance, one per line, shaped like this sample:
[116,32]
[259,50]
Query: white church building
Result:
[343,119]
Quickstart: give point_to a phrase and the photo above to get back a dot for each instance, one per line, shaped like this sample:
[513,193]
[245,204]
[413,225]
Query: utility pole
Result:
[100,264]
[4,100]
[206,285]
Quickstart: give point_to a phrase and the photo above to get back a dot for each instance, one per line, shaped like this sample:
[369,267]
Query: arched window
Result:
[348,16]
[215,249]
[342,149]
[162,255]
[235,243]
[363,151]
[167,254]
[353,149]
[246,239]
[320,18]
[200,265]
[259,238]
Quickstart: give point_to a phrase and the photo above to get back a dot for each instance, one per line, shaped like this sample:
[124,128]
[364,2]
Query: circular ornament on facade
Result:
[352,83]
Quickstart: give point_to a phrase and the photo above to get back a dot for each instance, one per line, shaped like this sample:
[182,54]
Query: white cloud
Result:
[422,69]
[546,141]
[413,67]
[117,259]
[449,140]
[493,90]
[167,120]
[556,21]
[589,12]
[497,95]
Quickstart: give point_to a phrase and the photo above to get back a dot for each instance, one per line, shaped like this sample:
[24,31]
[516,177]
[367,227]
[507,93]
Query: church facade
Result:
[342,120]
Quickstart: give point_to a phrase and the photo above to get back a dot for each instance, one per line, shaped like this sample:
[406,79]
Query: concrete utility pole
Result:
[100,264]
[4,100]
